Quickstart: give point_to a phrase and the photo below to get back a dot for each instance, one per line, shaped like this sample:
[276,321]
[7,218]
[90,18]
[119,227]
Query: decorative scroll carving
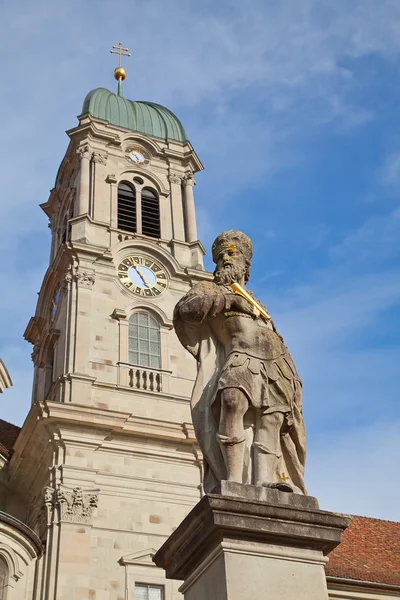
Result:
[99,157]
[174,178]
[189,180]
[77,505]
[70,275]
[85,279]
[84,151]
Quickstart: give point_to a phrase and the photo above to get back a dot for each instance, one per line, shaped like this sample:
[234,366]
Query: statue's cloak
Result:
[198,338]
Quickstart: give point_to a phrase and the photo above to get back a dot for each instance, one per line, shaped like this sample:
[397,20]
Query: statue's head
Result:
[232,251]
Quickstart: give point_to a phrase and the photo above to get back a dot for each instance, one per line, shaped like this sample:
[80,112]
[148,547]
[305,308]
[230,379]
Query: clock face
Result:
[142,275]
[136,155]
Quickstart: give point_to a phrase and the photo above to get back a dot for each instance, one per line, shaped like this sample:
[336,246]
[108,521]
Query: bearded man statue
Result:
[246,402]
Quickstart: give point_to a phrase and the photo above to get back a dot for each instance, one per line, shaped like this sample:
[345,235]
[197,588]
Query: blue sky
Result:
[293,107]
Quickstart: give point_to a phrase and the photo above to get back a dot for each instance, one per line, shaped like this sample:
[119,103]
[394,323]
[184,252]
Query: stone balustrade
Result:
[143,378]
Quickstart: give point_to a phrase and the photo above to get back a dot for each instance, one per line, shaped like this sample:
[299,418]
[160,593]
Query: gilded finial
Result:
[119,72]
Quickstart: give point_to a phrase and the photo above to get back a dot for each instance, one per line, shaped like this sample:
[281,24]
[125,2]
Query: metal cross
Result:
[120,51]
[283,477]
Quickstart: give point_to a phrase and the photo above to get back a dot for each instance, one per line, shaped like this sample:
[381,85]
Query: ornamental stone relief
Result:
[76,505]
[189,180]
[174,178]
[84,151]
[83,278]
[99,157]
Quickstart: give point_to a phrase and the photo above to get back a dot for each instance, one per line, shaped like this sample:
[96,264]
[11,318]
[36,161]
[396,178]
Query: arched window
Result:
[144,341]
[3,578]
[126,207]
[150,213]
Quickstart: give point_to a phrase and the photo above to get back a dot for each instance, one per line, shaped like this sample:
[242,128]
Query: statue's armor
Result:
[257,362]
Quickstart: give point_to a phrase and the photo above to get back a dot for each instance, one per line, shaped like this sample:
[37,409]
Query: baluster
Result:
[130,377]
[145,380]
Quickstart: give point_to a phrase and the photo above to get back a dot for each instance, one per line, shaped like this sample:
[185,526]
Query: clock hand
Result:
[142,277]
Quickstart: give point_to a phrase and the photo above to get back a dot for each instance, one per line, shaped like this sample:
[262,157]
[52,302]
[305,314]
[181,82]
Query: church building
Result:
[106,464]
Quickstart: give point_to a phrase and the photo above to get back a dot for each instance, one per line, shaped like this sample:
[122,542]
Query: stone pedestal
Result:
[244,542]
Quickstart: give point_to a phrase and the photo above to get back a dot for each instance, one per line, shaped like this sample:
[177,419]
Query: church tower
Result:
[106,464]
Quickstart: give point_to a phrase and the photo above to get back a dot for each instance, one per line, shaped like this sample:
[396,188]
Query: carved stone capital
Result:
[111,178]
[70,275]
[189,180]
[174,178]
[76,505]
[99,157]
[84,151]
[85,279]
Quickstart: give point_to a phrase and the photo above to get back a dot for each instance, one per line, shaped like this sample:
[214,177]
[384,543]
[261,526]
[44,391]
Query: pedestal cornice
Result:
[247,514]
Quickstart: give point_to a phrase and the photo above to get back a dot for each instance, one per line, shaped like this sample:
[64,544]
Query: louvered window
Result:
[144,341]
[150,213]
[126,207]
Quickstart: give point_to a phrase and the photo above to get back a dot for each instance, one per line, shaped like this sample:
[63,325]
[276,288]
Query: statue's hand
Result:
[236,302]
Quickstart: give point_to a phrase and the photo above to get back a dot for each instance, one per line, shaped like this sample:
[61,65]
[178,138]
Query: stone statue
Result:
[247,401]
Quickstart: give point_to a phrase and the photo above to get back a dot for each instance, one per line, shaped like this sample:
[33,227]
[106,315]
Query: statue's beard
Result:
[229,273]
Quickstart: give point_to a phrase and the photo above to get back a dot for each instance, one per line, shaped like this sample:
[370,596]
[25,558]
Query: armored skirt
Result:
[268,384]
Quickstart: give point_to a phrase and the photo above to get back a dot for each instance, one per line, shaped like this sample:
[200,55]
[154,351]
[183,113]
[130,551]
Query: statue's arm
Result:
[204,301]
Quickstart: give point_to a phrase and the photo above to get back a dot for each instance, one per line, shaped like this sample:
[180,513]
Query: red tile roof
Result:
[8,434]
[370,551]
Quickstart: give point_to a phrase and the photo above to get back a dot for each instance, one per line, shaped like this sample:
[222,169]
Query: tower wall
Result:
[106,464]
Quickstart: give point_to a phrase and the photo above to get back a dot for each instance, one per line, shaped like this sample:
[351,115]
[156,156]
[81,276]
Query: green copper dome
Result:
[145,117]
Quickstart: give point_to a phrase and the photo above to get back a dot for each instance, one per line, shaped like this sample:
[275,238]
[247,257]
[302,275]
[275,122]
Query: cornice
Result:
[188,155]
[89,127]
[115,421]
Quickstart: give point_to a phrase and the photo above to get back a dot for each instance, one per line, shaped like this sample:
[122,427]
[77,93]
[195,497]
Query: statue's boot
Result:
[265,463]
[232,449]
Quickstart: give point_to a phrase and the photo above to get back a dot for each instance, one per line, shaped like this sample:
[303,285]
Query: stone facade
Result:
[106,464]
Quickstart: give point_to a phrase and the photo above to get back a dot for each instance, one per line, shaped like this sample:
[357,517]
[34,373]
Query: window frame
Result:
[151,320]
[137,190]
[134,228]
[146,214]
[149,585]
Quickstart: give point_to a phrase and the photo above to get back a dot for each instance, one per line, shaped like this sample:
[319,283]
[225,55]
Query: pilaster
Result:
[82,204]
[176,206]
[189,209]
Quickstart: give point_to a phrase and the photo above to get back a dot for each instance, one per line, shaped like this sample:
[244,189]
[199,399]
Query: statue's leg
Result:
[231,437]
[267,447]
